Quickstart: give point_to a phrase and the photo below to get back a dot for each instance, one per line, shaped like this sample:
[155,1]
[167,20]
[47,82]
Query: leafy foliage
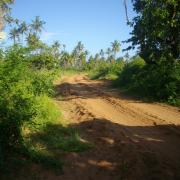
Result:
[159,82]
[20,86]
[156,30]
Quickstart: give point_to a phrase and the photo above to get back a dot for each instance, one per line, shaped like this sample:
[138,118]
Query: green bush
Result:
[46,112]
[107,70]
[158,81]
[130,70]
[21,89]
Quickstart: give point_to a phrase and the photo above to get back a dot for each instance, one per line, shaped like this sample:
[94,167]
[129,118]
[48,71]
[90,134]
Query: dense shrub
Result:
[107,70]
[127,75]
[160,82]
[157,81]
[21,86]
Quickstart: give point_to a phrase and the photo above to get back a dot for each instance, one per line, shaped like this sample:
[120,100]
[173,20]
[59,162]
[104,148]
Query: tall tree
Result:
[4,11]
[14,35]
[102,54]
[97,57]
[33,40]
[115,47]
[23,28]
[56,45]
[126,11]
[156,30]
[56,49]
[65,59]
[78,55]
[108,52]
[37,25]
[64,47]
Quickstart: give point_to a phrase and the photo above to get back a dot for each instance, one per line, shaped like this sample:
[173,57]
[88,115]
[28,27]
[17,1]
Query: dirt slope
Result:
[132,139]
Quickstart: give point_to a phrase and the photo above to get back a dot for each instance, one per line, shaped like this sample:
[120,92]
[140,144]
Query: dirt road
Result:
[131,139]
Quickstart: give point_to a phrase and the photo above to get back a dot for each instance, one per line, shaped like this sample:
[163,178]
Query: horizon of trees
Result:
[28,35]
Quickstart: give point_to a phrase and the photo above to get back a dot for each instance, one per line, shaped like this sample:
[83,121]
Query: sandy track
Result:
[132,139]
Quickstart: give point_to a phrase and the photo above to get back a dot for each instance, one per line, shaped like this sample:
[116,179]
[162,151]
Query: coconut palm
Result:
[56,45]
[65,59]
[37,25]
[97,57]
[115,47]
[126,10]
[14,35]
[4,12]
[64,47]
[56,49]
[108,52]
[32,40]
[86,53]
[102,54]
[23,28]
[80,47]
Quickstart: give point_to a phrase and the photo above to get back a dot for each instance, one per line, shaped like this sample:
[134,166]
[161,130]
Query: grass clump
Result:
[47,137]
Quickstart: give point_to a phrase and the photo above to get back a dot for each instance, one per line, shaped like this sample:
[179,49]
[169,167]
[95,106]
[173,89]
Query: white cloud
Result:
[2,35]
[46,36]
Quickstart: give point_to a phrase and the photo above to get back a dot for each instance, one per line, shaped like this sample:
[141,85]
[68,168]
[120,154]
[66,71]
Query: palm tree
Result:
[108,52]
[86,52]
[97,57]
[126,11]
[80,47]
[37,25]
[14,35]
[55,47]
[101,54]
[32,40]
[4,12]
[65,59]
[23,28]
[17,21]
[126,56]
[115,47]
[64,47]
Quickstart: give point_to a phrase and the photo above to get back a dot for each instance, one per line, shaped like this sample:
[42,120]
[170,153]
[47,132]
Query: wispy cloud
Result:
[47,36]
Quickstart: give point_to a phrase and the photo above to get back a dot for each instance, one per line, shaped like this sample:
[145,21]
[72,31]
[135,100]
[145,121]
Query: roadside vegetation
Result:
[31,125]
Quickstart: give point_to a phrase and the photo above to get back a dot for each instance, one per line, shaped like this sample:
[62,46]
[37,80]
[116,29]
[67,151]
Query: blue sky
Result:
[94,22]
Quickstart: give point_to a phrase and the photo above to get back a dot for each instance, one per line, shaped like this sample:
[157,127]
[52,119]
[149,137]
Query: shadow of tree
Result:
[118,152]
[98,89]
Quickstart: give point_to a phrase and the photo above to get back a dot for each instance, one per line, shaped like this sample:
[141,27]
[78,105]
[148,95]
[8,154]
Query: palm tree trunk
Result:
[22,38]
[125,5]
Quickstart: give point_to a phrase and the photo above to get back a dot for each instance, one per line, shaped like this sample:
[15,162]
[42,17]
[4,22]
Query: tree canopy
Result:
[156,30]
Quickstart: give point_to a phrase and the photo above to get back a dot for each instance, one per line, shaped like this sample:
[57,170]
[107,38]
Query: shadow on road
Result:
[115,153]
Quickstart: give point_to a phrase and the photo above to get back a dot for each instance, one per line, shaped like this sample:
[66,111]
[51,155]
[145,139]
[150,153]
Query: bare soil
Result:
[131,139]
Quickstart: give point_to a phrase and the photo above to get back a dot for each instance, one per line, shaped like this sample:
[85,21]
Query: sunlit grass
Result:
[48,136]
